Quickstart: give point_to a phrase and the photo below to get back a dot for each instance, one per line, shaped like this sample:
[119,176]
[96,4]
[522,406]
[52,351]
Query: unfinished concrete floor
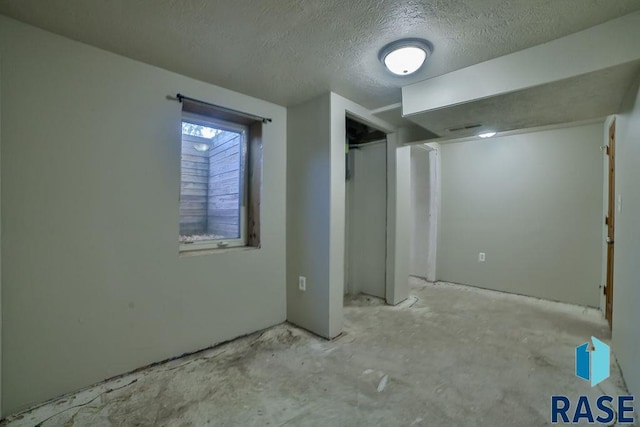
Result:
[449,356]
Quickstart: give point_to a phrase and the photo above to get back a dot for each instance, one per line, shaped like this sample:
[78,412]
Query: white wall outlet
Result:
[482,257]
[619,203]
[302,283]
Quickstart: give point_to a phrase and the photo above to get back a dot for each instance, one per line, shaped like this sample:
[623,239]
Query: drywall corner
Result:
[398,220]
[309,173]
[626,292]
[337,215]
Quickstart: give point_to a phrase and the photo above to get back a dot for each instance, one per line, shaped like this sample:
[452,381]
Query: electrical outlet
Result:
[302,283]
[482,257]
[619,203]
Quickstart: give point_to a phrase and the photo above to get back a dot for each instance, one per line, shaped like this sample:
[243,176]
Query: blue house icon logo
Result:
[593,365]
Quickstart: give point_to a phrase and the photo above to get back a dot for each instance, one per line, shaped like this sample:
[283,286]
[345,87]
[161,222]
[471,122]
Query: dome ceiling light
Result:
[487,134]
[201,146]
[406,56]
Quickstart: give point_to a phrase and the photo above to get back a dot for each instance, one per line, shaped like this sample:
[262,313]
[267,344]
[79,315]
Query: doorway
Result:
[366,210]
[610,222]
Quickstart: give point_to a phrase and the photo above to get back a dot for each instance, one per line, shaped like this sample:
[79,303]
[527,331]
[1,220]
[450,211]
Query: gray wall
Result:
[533,203]
[626,299]
[93,285]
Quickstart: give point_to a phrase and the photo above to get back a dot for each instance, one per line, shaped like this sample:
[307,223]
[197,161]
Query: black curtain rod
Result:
[181,98]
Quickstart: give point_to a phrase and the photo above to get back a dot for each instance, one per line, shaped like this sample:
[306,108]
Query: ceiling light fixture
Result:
[487,134]
[406,56]
[201,146]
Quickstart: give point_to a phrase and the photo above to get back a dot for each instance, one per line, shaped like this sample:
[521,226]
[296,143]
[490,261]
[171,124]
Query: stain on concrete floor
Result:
[449,356]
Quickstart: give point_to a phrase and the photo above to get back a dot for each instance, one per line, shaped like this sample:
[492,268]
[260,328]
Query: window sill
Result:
[209,251]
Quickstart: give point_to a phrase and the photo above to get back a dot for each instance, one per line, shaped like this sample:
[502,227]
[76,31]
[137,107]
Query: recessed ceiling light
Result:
[487,134]
[406,56]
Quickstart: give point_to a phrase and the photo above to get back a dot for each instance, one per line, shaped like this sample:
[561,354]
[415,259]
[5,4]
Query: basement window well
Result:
[219,174]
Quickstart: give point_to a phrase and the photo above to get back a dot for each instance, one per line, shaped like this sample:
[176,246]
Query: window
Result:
[220,182]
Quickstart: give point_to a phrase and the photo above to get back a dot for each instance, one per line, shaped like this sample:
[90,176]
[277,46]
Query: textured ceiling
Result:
[288,51]
[589,96]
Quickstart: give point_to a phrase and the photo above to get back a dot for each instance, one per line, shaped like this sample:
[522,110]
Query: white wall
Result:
[533,203]
[419,211]
[626,299]
[93,285]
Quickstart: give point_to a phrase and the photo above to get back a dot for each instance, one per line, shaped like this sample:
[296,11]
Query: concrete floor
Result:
[448,356]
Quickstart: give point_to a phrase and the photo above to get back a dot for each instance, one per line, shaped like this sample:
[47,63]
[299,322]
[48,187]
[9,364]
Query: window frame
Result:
[243,130]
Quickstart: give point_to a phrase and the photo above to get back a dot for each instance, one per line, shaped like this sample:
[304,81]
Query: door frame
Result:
[350,284]
[398,163]
[610,222]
